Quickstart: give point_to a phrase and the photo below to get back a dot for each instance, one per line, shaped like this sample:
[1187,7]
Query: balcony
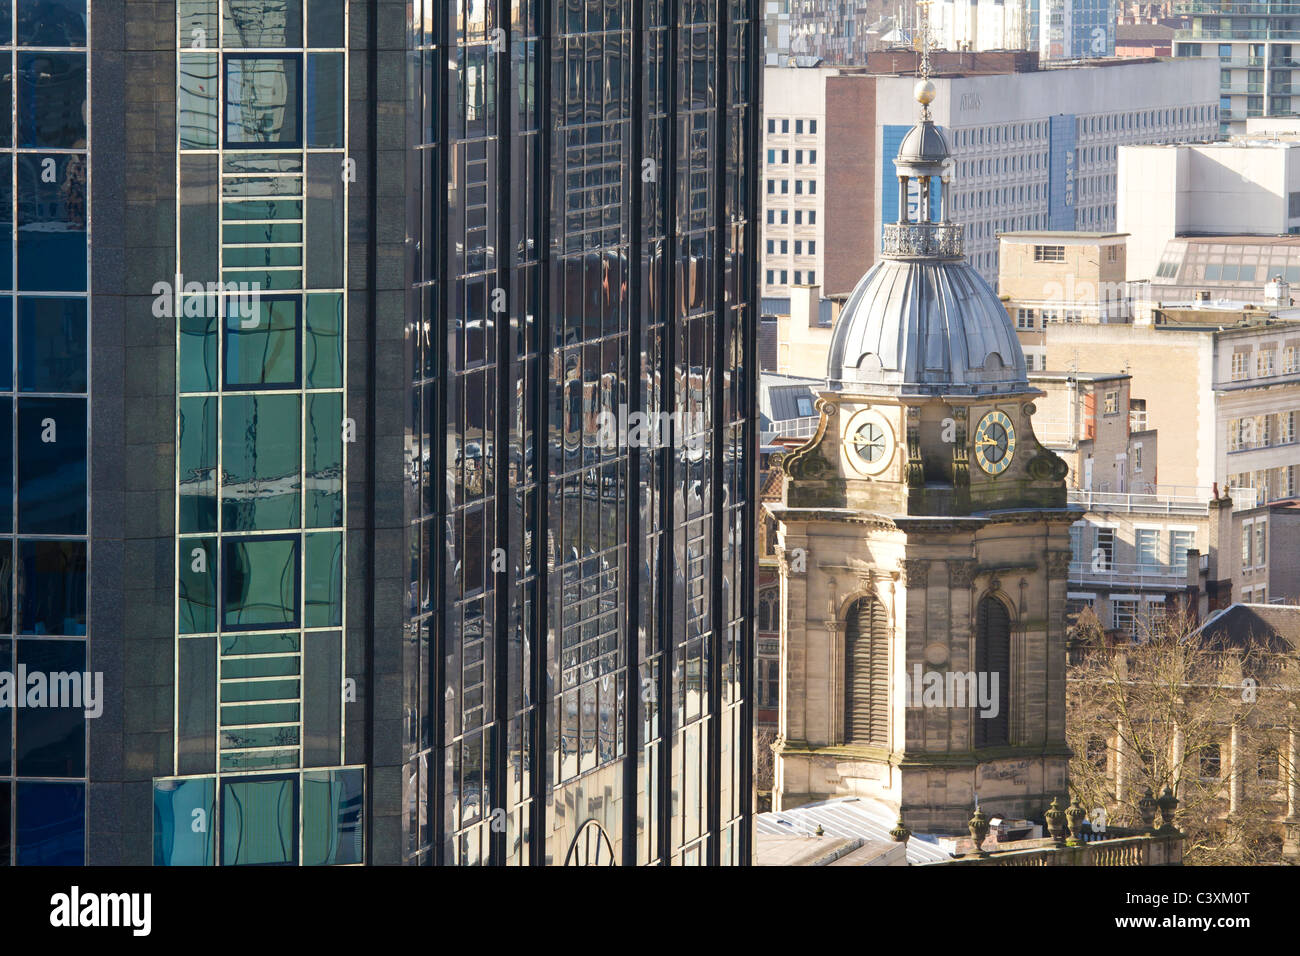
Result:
[922,240]
[1119,574]
[1174,501]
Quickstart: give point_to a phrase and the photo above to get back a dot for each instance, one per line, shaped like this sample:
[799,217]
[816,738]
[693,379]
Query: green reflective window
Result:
[259,821]
[197,585]
[260,583]
[324,596]
[239,692]
[259,737]
[244,186]
[324,361]
[263,209]
[196,100]
[324,475]
[268,280]
[331,817]
[263,666]
[262,24]
[197,479]
[251,163]
[259,644]
[238,714]
[258,760]
[262,347]
[260,462]
[198,353]
[261,232]
[254,257]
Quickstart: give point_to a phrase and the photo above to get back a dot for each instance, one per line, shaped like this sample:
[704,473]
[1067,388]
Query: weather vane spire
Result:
[926,40]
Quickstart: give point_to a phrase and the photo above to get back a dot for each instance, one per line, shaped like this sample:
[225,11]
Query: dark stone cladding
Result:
[133,424]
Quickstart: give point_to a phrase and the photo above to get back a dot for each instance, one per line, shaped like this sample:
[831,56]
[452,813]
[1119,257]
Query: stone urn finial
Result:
[1147,807]
[900,833]
[1168,803]
[1055,817]
[1074,815]
[979,831]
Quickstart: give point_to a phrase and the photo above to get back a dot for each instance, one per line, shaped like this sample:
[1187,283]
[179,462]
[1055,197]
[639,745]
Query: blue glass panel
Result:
[6,815]
[6,466]
[51,22]
[52,345]
[197,585]
[331,817]
[52,466]
[52,100]
[52,587]
[51,827]
[259,821]
[184,822]
[52,224]
[6,728]
[325,23]
[6,224]
[6,343]
[51,738]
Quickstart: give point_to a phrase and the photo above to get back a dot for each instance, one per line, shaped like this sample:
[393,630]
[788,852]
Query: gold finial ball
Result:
[924,92]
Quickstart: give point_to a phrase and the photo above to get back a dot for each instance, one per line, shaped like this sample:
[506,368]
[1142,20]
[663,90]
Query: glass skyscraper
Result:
[403,504]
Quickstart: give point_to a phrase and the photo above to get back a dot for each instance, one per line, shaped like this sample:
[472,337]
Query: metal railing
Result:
[1128,574]
[916,240]
[795,428]
[1158,502]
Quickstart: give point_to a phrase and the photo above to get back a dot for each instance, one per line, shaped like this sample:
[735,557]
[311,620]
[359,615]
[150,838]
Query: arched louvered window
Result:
[866,674]
[993,656]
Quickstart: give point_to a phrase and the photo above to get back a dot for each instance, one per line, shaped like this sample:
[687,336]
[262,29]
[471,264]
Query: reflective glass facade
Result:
[583,237]
[45,650]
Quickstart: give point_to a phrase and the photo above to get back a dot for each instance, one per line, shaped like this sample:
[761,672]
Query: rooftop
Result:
[1276,626]
[1047,235]
[847,818]
[1078,376]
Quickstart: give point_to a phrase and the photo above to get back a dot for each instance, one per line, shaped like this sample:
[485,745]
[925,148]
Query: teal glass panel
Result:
[197,475]
[198,358]
[250,163]
[323,433]
[196,100]
[197,585]
[259,644]
[261,232]
[241,186]
[258,760]
[254,737]
[264,209]
[260,462]
[264,665]
[184,822]
[262,344]
[254,257]
[259,821]
[246,692]
[332,806]
[260,583]
[238,714]
[324,581]
[324,356]
[268,280]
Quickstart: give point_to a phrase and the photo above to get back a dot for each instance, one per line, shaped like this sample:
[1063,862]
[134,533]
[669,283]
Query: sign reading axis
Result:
[995,442]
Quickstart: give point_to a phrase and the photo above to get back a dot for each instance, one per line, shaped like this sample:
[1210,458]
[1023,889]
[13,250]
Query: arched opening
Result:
[993,657]
[866,673]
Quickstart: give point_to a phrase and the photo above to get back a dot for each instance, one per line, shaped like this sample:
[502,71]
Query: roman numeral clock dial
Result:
[995,443]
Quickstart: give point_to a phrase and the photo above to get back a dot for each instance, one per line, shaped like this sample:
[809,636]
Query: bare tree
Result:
[764,766]
[1194,714]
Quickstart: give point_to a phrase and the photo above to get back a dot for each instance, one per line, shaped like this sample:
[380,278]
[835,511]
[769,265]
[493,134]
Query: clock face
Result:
[868,442]
[995,443]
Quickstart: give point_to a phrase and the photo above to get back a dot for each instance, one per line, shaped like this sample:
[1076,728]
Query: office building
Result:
[1019,162]
[370,584]
[1074,29]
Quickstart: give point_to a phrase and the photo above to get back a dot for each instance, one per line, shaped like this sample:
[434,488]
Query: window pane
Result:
[262,350]
[324,341]
[51,827]
[200,215]
[6,87]
[325,206]
[198,23]
[331,817]
[52,224]
[6,223]
[261,24]
[324,580]
[52,587]
[198,348]
[196,695]
[51,736]
[325,23]
[324,478]
[6,467]
[197,476]
[52,100]
[196,101]
[52,345]
[196,586]
[175,842]
[260,583]
[260,462]
[325,102]
[6,734]
[263,100]
[51,22]
[259,821]
[52,466]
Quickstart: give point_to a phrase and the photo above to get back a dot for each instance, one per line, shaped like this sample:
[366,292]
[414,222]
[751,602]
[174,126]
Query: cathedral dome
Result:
[925,325]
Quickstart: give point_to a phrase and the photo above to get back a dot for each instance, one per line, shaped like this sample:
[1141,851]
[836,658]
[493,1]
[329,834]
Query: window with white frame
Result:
[1240,365]
[1076,542]
[1024,318]
[1246,550]
[1261,543]
[1137,458]
[1123,614]
[1103,557]
[1147,544]
[1180,542]
[1291,359]
[1264,363]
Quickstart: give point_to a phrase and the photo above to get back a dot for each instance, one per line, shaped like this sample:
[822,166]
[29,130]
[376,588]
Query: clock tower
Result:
[923,543]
